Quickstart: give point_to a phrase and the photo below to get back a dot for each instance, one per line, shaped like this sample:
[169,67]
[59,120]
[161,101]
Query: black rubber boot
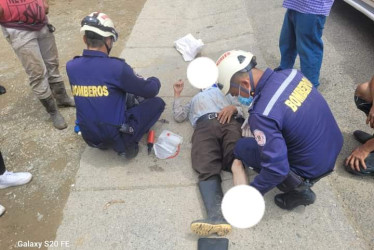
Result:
[131,152]
[59,93]
[362,136]
[211,193]
[302,195]
[51,107]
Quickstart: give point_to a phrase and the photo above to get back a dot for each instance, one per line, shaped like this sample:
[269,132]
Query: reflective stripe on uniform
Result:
[279,92]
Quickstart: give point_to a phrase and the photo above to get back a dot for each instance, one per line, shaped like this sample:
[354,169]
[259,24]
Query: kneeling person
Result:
[296,138]
[102,87]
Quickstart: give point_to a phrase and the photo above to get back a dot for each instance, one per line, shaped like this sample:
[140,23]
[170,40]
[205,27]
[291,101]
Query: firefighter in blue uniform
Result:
[296,139]
[106,90]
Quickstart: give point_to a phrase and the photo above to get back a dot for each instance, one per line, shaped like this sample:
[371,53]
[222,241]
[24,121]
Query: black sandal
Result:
[2,90]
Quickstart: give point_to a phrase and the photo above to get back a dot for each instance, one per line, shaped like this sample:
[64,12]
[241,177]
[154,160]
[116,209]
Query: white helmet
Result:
[230,63]
[100,24]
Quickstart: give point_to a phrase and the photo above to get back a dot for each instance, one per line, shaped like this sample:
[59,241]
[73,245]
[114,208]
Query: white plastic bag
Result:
[189,47]
[167,145]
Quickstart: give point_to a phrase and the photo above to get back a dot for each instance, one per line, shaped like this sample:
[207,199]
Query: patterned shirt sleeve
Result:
[180,112]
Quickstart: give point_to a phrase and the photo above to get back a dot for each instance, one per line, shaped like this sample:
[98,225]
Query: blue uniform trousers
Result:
[302,34]
[246,150]
[142,117]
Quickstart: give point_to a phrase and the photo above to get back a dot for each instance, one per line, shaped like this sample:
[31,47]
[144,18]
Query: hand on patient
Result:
[224,116]
[178,87]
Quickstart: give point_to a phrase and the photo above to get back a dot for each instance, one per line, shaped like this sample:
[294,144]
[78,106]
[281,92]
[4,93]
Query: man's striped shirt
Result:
[317,7]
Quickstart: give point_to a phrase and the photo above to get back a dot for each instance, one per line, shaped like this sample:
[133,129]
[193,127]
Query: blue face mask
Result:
[245,100]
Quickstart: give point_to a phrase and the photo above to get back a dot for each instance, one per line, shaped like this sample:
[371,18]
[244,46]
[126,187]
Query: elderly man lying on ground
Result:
[216,131]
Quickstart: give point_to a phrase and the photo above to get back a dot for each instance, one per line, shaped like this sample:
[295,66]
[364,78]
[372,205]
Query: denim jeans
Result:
[302,35]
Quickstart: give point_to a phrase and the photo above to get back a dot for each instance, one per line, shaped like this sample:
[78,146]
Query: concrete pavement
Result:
[149,203]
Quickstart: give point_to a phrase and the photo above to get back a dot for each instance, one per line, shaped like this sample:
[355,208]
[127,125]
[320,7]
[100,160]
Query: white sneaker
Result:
[10,179]
[2,210]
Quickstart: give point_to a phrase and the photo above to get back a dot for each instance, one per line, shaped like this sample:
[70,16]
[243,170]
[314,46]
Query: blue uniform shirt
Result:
[99,85]
[294,128]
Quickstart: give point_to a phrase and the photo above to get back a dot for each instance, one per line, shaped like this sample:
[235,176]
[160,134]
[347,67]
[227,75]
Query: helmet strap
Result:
[251,82]
[106,46]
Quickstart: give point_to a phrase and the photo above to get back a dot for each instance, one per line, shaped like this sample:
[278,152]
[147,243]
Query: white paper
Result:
[189,47]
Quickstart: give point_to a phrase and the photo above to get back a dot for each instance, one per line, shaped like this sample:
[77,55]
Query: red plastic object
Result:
[150,140]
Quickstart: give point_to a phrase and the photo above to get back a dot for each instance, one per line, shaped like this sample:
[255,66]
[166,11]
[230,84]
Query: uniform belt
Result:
[208,116]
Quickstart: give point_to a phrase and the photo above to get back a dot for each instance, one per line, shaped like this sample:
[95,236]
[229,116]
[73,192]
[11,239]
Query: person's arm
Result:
[358,156]
[137,85]
[1,12]
[180,112]
[239,175]
[370,117]
[46,6]
[233,100]
[224,116]
[274,154]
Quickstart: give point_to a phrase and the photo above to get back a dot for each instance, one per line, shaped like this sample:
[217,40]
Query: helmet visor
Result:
[239,87]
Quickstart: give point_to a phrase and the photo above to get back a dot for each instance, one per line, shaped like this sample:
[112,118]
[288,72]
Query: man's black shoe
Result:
[132,151]
[362,136]
[2,90]
[369,161]
[301,195]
